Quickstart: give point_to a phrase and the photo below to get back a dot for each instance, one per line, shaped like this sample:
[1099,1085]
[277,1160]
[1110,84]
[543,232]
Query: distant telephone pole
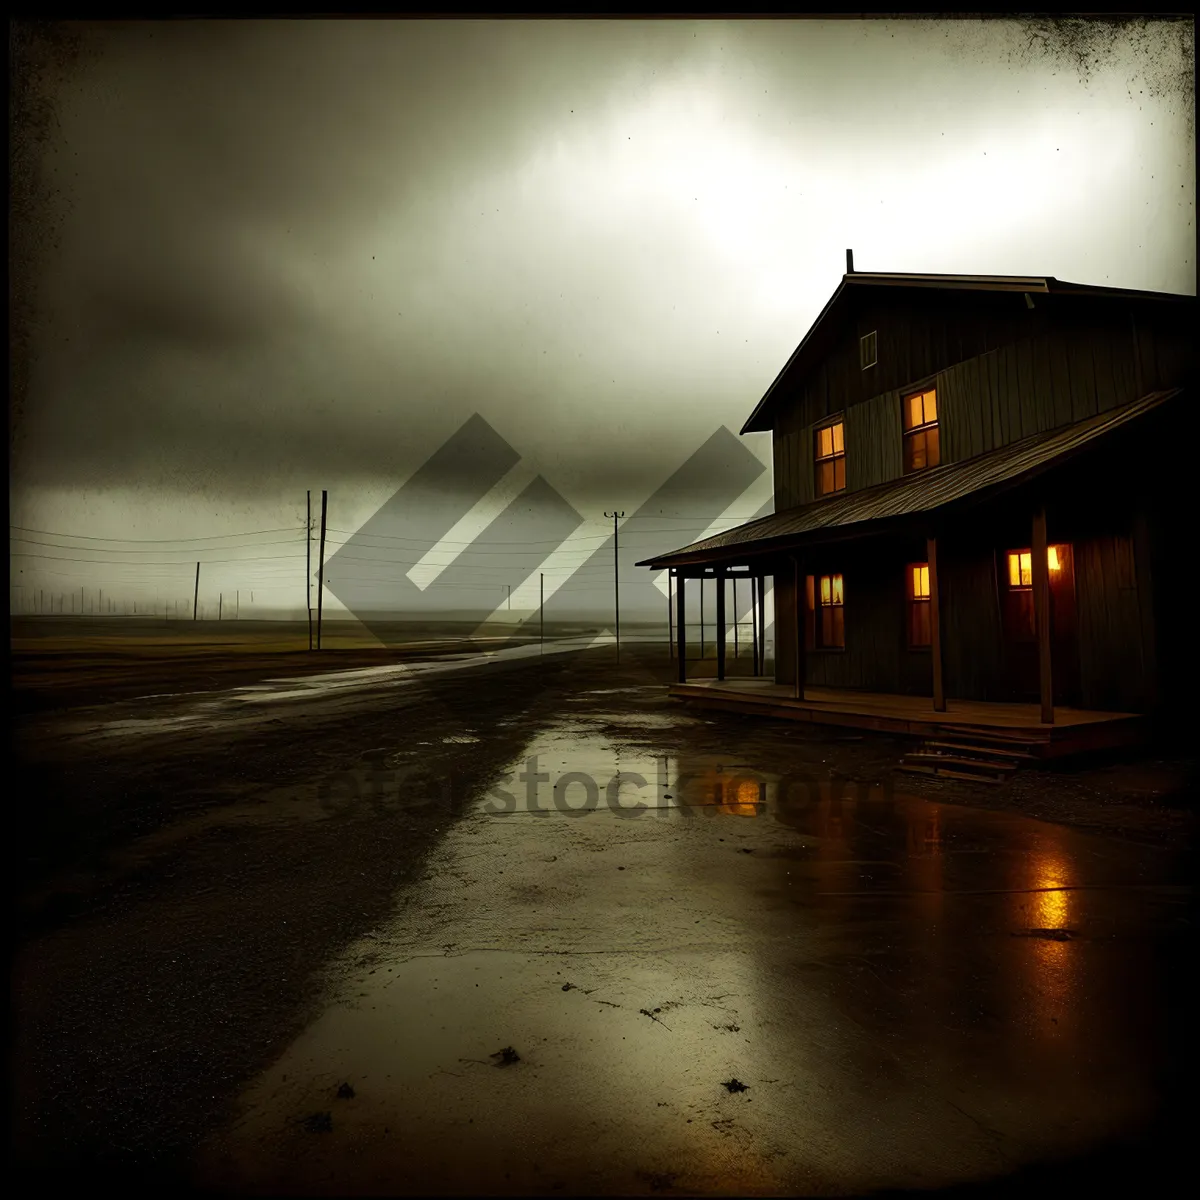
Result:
[542,612]
[196,596]
[509,602]
[321,566]
[616,578]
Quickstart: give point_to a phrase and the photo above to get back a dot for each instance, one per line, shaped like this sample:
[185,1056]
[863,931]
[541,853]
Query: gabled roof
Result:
[858,283]
[849,514]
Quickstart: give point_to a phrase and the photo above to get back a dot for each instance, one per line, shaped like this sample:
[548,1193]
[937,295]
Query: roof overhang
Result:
[890,506]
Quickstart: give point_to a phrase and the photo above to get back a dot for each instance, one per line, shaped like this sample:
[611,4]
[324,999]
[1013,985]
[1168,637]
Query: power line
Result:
[210,537]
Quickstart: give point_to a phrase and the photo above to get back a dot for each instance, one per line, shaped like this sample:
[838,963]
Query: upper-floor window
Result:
[868,350]
[831,458]
[921,447]
[919,626]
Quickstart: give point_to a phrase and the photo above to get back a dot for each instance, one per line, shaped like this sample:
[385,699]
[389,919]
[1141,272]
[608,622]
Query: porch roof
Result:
[853,514]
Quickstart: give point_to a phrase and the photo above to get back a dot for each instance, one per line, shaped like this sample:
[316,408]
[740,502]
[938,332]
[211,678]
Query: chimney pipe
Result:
[849,262]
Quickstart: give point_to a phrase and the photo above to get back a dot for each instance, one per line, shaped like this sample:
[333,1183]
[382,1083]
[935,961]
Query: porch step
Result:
[974,767]
[983,735]
[986,756]
[1000,752]
[949,773]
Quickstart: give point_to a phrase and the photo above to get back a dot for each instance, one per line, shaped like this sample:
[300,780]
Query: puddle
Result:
[880,976]
[212,709]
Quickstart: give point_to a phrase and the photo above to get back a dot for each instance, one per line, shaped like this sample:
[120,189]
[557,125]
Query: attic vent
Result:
[867,350]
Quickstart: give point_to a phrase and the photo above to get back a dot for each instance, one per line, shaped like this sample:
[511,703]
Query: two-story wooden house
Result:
[978,489]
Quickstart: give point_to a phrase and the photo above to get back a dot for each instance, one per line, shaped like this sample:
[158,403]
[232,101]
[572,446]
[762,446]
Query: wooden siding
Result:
[972,644]
[1115,663]
[874,446]
[1003,373]
[876,656]
[1031,386]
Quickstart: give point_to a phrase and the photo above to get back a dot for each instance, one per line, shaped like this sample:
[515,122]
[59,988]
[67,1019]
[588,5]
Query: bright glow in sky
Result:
[293,255]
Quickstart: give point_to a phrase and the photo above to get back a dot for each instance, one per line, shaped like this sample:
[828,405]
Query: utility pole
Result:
[321,565]
[308,570]
[542,611]
[701,582]
[196,595]
[616,578]
[509,586]
[237,611]
[220,603]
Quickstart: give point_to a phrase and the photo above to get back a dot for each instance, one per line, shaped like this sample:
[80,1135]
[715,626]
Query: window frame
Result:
[815,608]
[1026,628]
[834,457]
[913,600]
[910,433]
[868,339]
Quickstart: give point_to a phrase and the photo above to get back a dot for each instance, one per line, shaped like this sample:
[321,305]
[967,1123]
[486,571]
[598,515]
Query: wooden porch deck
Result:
[1075,730]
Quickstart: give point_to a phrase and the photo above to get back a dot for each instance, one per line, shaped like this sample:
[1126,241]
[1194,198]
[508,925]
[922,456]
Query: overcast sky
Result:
[279,255]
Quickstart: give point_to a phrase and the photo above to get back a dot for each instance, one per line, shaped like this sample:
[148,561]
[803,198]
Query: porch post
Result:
[935,626]
[680,628]
[762,626]
[720,622]
[670,616]
[800,615]
[1041,613]
[754,624]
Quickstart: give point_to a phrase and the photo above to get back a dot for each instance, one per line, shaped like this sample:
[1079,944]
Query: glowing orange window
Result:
[922,447]
[919,624]
[830,459]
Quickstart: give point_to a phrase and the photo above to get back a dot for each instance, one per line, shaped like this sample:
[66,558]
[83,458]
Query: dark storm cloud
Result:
[268,252]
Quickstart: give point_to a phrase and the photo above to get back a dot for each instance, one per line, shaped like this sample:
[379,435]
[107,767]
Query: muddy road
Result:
[268,935]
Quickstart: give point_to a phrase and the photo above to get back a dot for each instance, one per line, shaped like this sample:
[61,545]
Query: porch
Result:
[1016,726]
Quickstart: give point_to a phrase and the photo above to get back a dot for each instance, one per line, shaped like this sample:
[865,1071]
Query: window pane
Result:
[827,627]
[917,451]
[925,580]
[824,478]
[913,413]
[839,474]
[933,448]
[838,447]
[920,623]
[931,405]
[837,589]
[839,628]
[826,589]
[1026,568]
[1014,570]
[824,443]
[1026,613]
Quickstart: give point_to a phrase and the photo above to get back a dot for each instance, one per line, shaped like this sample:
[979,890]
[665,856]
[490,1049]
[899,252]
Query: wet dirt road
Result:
[770,979]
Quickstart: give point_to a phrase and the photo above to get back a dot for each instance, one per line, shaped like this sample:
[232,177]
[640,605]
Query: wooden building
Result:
[978,490]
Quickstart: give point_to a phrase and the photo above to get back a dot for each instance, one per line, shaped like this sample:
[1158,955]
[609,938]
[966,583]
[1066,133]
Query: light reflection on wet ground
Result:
[913,994]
